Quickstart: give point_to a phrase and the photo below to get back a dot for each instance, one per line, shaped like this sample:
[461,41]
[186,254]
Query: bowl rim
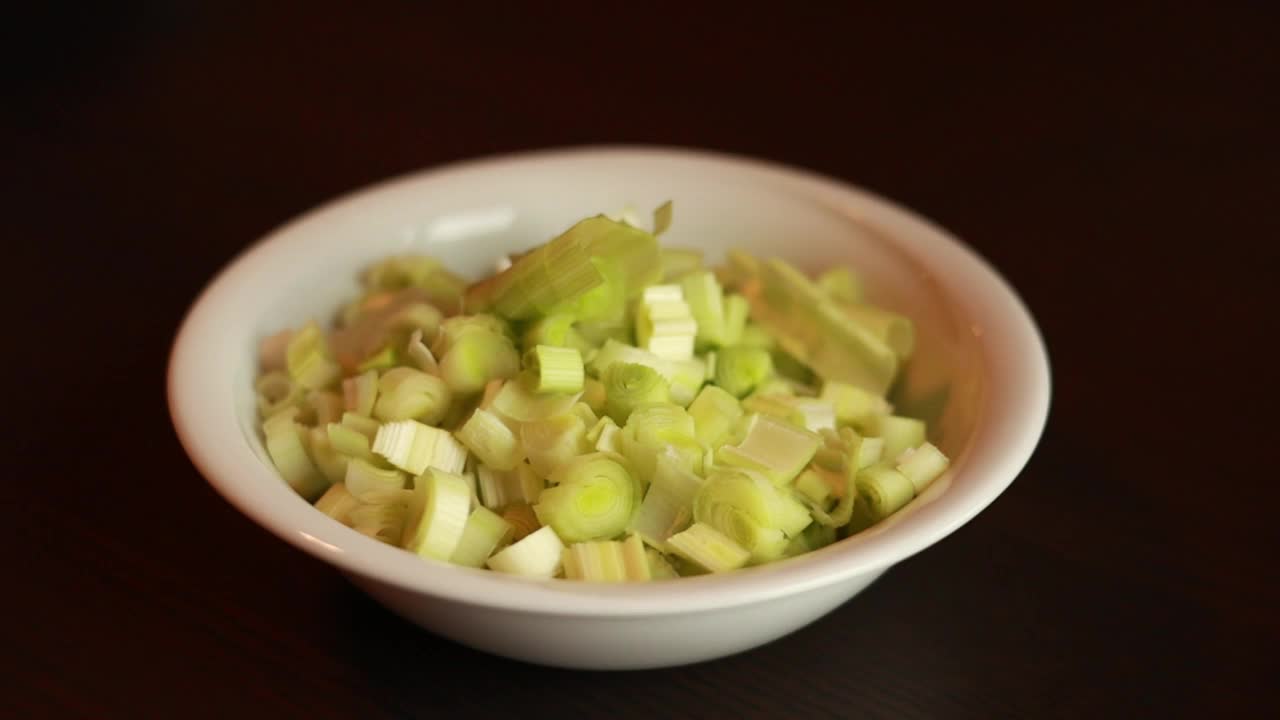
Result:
[1013,420]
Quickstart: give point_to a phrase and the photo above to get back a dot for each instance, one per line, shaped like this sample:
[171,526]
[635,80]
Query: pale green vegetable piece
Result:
[413,447]
[551,443]
[714,414]
[338,503]
[361,392]
[853,405]
[438,514]
[371,484]
[475,358]
[898,433]
[740,369]
[536,555]
[554,369]
[491,440]
[922,465]
[628,385]
[884,491]
[518,403]
[287,447]
[498,488]
[408,394]
[483,533]
[705,546]
[592,498]
[308,360]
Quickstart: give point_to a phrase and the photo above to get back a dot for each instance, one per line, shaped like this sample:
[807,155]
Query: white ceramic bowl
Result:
[980,376]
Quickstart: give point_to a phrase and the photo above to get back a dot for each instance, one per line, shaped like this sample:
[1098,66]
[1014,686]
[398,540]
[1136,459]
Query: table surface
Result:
[1117,166]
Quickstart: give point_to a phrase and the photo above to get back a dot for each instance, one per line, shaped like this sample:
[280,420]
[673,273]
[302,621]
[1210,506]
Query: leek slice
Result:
[883,491]
[841,284]
[554,369]
[516,402]
[556,275]
[705,546]
[659,568]
[593,498]
[894,330]
[776,449]
[413,447]
[438,515]
[654,428]
[338,503]
[366,426]
[817,331]
[491,440]
[371,484]
[740,369]
[628,385]
[736,311]
[922,465]
[483,533]
[853,405]
[384,521]
[705,300]
[349,442]
[667,507]
[679,262]
[750,511]
[326,406]
[408,394]
[552,442]
[361,392]
[308,361]
[332,464]
[898,433]
[421,355]
[522,519]
[536,555]
[607,561]
[499,489]
[287,447]
[593,394]
[714,413]
[475,358]
[276,392]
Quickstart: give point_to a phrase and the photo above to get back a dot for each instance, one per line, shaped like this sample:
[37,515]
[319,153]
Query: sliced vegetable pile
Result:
[601,409]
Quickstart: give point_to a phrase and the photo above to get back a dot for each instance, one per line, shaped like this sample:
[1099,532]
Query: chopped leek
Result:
[554,369]
[922,465]
[287,447]
[477,357]
[438,514]
[841,284]
[883,491]
[714,414]
[853,405]
[535,555]
[366,426]
[516,402]
[308,360]
[338,503]
[482,534]
[371,484]
[491,440]
[405,394]
[360,392]
[413,447]
[592,499]
[491,424]
[739,369]
[776,449]
[668,505]
[498,488]
[522,518]
[898,433]
[628,385]
[708,548]
[553,442]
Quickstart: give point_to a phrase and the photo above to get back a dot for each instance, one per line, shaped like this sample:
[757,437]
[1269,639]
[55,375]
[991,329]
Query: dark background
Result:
[1117,164]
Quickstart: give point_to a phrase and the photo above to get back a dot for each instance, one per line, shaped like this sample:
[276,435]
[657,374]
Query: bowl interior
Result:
[469,215]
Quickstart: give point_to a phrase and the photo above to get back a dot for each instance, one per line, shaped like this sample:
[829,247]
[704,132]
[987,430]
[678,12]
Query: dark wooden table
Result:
[1117,165]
